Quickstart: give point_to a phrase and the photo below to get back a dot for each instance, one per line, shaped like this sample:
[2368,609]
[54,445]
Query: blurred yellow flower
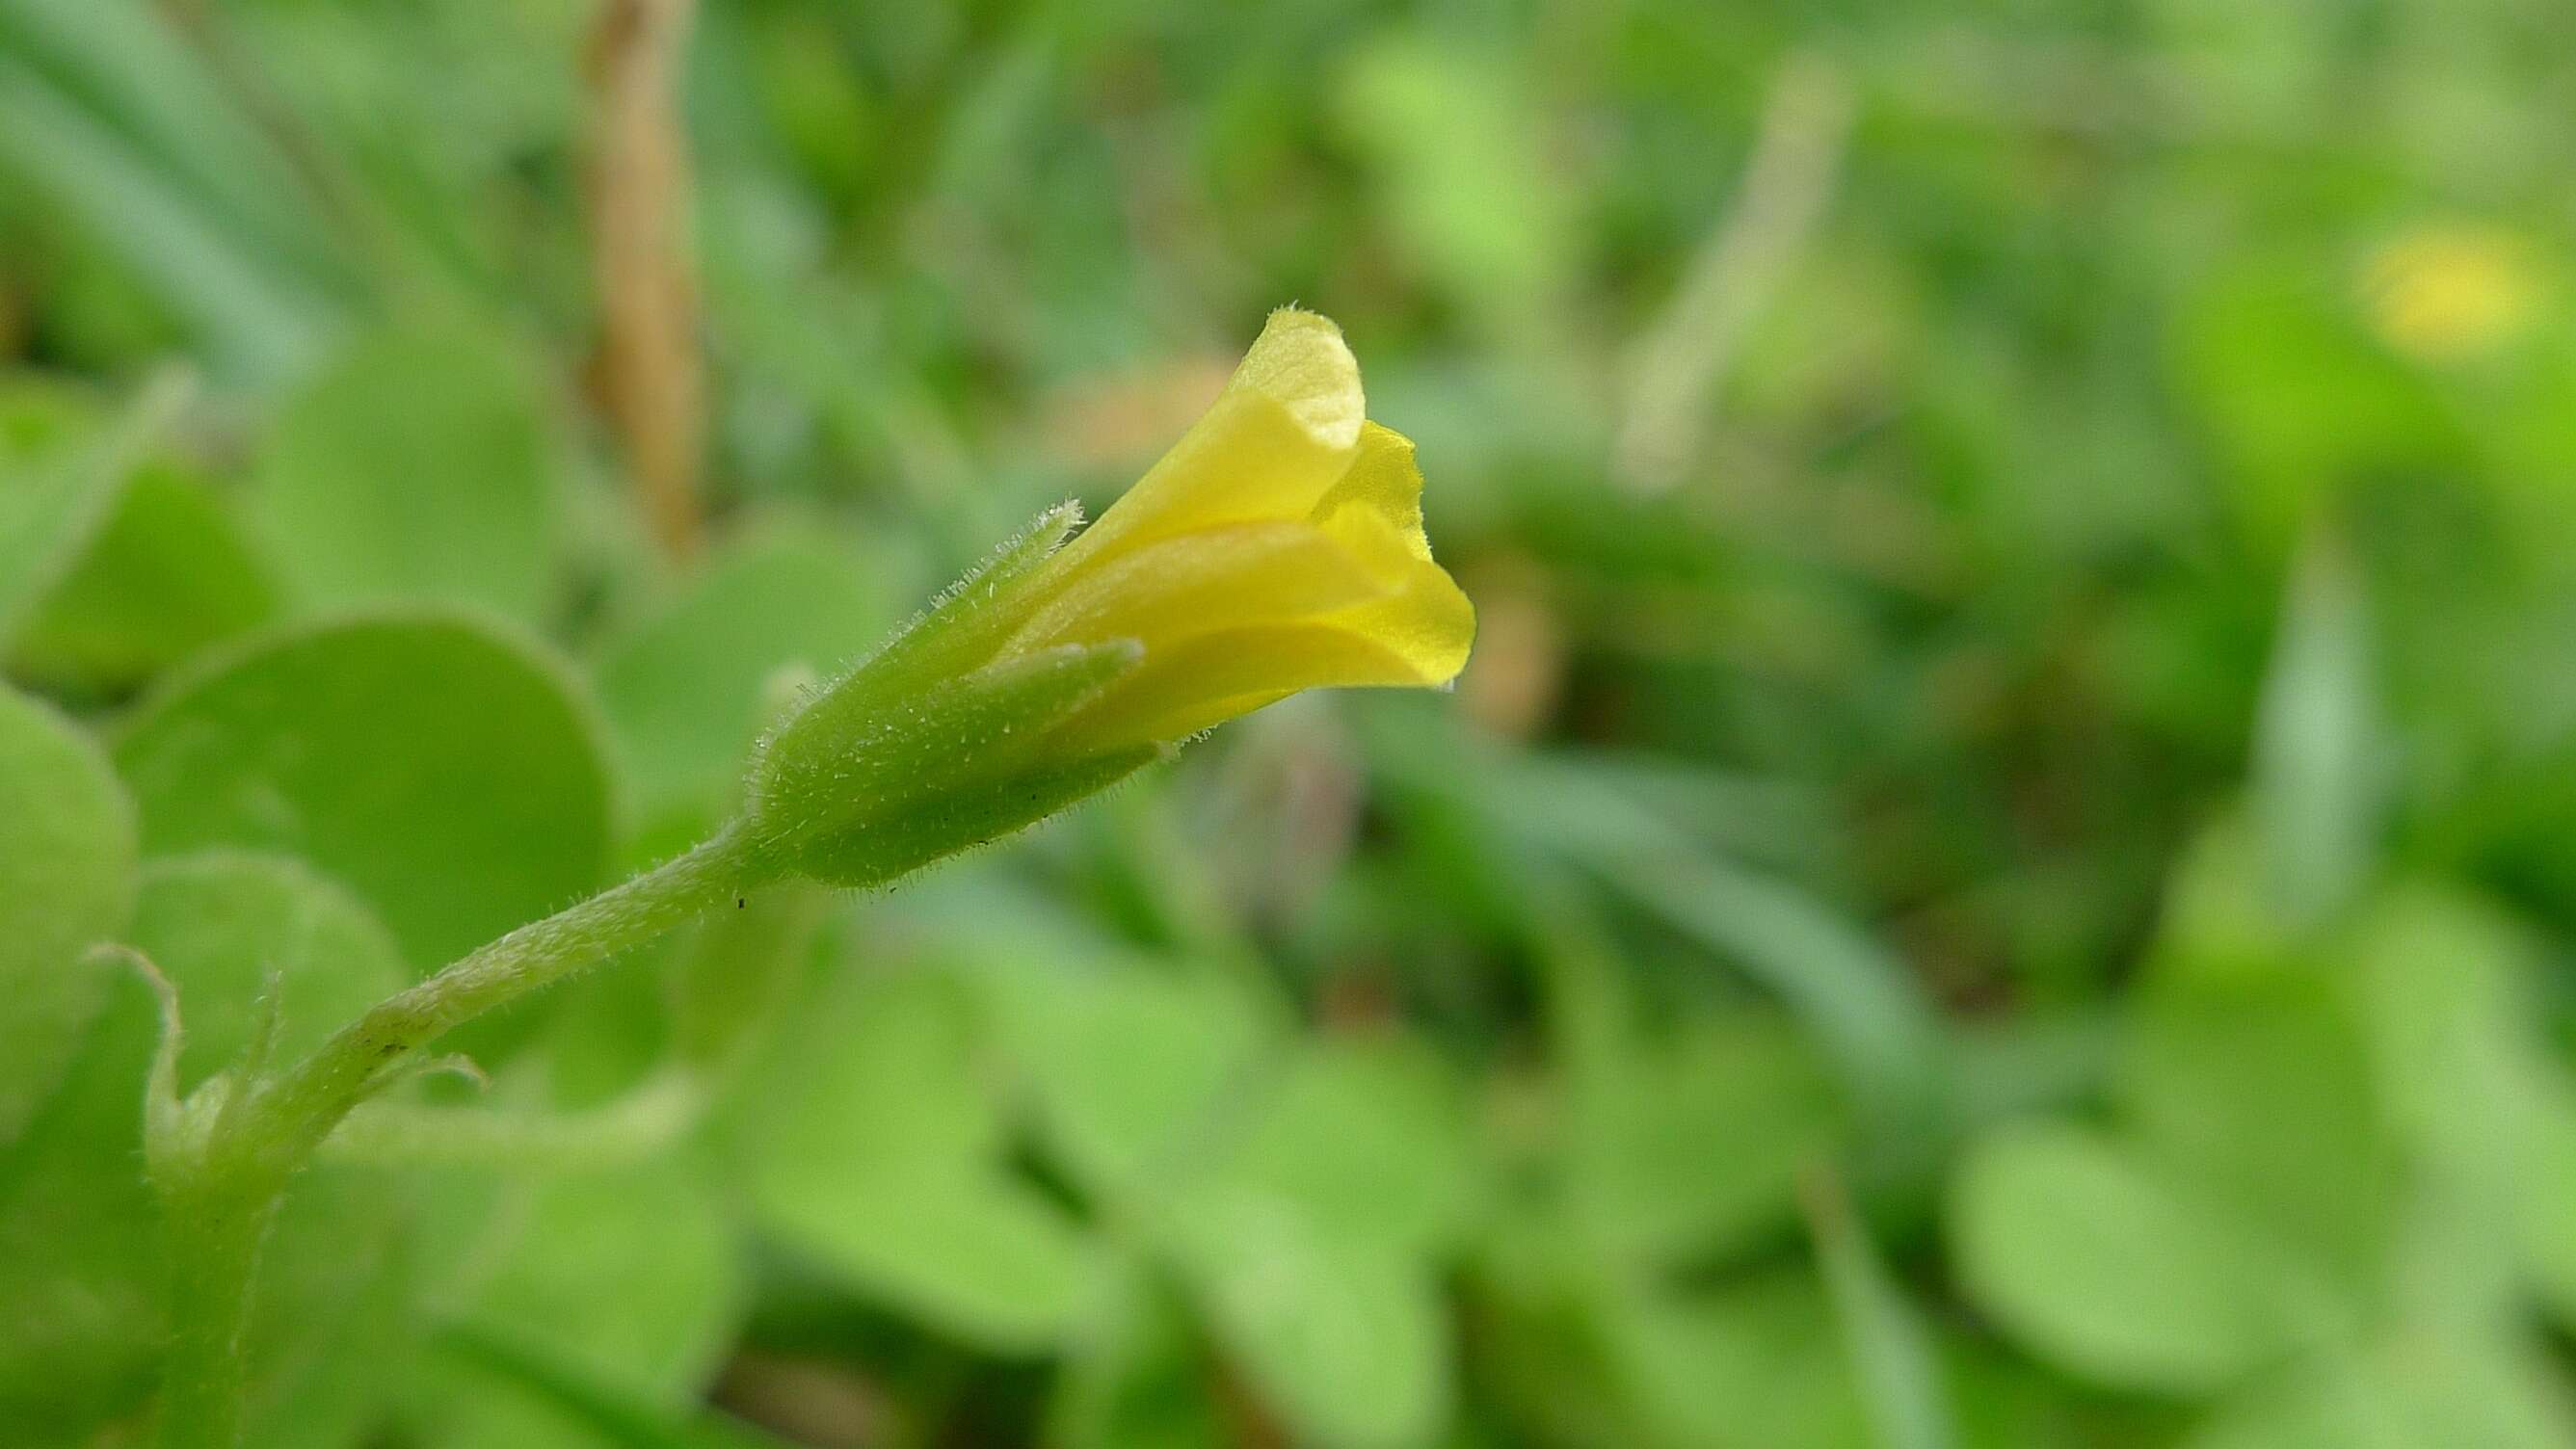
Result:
[2445,292]
[1277,547]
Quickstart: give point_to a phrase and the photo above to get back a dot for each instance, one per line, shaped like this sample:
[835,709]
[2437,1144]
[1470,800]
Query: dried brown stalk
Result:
[648,369]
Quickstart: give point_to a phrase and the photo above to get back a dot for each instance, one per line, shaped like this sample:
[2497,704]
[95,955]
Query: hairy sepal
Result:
[912,766]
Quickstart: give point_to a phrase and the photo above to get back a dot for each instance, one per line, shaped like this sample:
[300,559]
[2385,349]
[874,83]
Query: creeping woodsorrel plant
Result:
[1278,547]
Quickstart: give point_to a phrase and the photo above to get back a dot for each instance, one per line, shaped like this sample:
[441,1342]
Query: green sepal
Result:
[957,634]
[970,620]
[819,798]
[170,1133]
[960,821]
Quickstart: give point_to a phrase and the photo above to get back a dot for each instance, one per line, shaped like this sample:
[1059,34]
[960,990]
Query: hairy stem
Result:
[311,1099]
[213,1231]
[221,1196]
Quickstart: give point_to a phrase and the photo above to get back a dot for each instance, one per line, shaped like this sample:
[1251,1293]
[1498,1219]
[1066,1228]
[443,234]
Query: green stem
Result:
[214,1240]
[310,1100]
[220,1199]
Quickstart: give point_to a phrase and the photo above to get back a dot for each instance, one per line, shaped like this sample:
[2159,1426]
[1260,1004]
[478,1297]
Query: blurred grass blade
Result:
[1676,369]
[246,317]
[102,110]
[1761,820]
[1858,1001]
[615,1414]
[133,70]
[47,520]
[1850,993]
[2316,779]
[1892,1354]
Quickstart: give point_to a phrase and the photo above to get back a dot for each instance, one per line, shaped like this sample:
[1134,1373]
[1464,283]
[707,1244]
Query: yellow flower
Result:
[1277,547]
[2448,292]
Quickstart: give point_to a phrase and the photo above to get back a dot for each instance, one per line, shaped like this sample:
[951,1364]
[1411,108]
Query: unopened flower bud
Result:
[1278,547]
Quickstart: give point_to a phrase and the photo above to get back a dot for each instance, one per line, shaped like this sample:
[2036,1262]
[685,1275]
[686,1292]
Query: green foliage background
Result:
[2003,874]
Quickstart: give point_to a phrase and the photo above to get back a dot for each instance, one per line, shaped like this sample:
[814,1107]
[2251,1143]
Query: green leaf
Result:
[420,466]
[54,490]
[1681,1148]
[248,939]
[1315,1243]
[334,1389]
[1125,1063]
[2485,1390]
[242,935]
[67,878]
[2544,1186]
[81,1266]
[80,1297]
[2222,917]
[1840,981]
[2002,1400]
[127,61]
[1343,1337]
[2096,1261]
[628,1278]
[875,1146]
[447,773]
[633,1271]
[60,469]
[2445,994]
[1367,1138]
[2471,1086]
[735,972]
[2260,1093]
[1754,1364]
[333,1310]
[169,574]
[587,1412]
[191,270]
[684,690]
[1305,1203]
[1136,1376]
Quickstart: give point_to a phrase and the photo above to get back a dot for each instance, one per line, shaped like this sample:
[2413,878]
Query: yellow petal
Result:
[1301,360]
[1199,682]
[1375,512]
[1282,433]
[1427,623]
[1217,578]
[1278,547]
[1384,484]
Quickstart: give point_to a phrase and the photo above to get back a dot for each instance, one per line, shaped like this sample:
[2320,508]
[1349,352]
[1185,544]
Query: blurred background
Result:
[2002,875]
